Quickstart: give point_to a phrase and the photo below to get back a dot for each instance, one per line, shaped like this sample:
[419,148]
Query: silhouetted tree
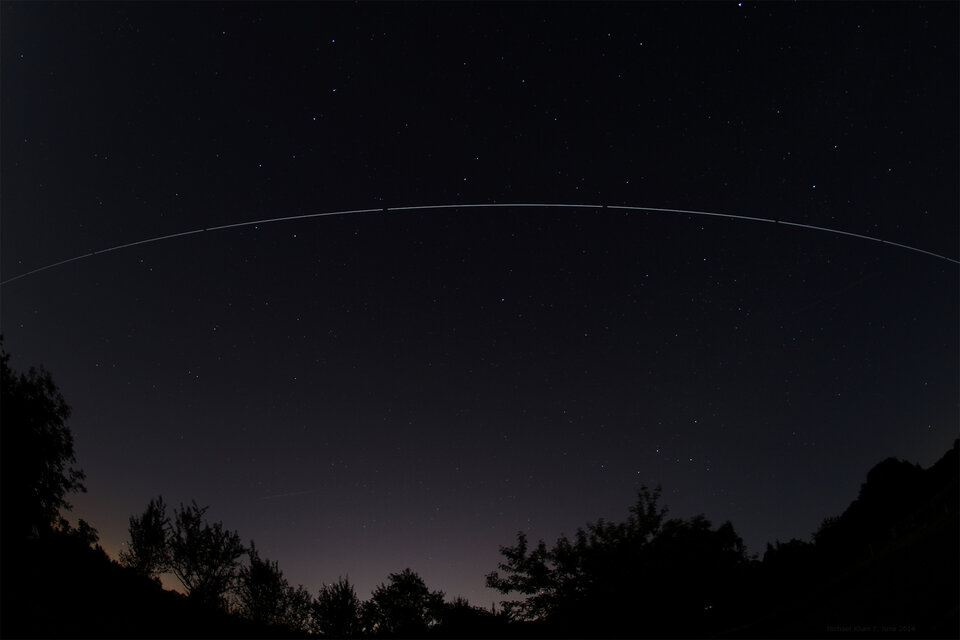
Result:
[148,553]
[336,611]
[262,589]
[562,578]
[205,558]
[404,607]
[83,533]
[37,452]
[265,596]
[697,571]
[529,574]
[298,609]
[621,578]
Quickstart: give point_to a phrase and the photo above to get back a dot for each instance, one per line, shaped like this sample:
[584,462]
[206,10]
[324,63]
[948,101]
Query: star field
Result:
[361,393]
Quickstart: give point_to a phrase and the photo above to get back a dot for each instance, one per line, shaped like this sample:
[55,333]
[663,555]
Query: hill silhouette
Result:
[58,586]
[888,566]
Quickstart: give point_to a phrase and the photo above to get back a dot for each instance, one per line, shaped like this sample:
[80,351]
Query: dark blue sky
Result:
[359,394]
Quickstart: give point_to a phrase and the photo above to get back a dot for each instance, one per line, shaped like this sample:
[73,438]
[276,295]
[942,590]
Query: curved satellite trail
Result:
[274,496]
[425,207]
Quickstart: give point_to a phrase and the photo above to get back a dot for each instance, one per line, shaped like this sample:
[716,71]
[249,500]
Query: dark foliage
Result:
[66,589]
[37,452]
[403,607]
[204,557]
[336,611]
[889,565]
[641,575]
[559,581]
[148,552]
[460,619]
[298,610]
[265,596]
[262,589]
[55,581]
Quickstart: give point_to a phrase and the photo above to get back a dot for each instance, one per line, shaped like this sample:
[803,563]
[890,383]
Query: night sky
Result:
[363,393]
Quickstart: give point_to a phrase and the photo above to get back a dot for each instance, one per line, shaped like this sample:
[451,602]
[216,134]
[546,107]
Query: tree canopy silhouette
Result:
[298,610]
[612,576]
[403,607]
[147,552]
[261,589]
[204,557]
[336,610]
[265,596]
[36,446]
[460,619]
[551,579]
